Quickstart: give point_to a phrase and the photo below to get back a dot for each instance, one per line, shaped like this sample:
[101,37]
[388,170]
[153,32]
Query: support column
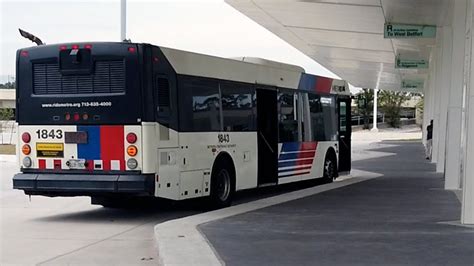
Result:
[444,94]
[374,127]
[437,93]
[453,136]
[467,213]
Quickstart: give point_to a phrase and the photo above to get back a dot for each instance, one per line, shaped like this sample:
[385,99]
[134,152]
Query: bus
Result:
[115,120]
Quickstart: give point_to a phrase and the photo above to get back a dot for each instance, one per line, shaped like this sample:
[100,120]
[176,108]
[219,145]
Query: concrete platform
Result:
[403,217]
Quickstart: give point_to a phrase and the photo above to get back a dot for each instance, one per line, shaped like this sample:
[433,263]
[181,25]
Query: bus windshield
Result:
[84,83]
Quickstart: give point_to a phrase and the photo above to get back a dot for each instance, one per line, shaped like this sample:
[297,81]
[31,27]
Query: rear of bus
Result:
[79,112]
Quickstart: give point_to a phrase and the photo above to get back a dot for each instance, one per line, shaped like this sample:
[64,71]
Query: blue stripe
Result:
[307,82]
[289,147]
[292,163]
[91,150]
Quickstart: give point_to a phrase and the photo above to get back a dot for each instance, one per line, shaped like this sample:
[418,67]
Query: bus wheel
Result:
[108,201]
[222,184]
[329,168]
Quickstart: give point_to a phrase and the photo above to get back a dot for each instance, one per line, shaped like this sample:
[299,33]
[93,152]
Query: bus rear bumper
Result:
[84,185]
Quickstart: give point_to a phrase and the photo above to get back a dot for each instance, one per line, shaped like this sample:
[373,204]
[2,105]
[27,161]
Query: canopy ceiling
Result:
[347,36]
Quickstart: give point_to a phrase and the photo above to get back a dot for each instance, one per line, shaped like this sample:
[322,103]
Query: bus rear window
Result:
[106,77]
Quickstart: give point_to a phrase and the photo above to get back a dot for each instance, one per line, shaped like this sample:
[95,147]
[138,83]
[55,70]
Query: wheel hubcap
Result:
[223,185]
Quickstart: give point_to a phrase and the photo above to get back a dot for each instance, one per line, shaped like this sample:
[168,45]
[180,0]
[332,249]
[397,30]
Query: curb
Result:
[179,242]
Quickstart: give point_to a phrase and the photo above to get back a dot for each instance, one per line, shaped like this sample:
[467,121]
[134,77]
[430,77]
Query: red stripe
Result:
[111,146]
[42,164]
[57,164]
[309,156]
[90,165]
[323,85]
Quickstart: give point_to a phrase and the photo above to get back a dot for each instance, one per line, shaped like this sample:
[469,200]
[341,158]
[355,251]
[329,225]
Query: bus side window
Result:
[163,108]
[287,117]
[317,118]
[237,109]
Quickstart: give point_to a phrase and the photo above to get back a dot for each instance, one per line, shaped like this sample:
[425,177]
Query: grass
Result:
[7,149]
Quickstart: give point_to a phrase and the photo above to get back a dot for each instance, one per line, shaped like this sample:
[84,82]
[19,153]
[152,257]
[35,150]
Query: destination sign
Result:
[411,63]
[412,84]
[393,31]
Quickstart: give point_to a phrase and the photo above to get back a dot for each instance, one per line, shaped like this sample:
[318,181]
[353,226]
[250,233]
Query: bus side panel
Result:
[317,169]
[149,145]
[199,151]
[167,161]
[302,160]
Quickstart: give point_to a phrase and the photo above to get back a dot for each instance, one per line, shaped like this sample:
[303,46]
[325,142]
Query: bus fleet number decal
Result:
[45,134]
[223,138]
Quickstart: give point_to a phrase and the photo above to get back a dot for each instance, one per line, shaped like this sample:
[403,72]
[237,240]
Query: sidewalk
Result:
[403,217]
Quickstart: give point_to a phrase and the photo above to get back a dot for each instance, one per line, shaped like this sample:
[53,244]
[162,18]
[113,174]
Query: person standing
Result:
[429,140]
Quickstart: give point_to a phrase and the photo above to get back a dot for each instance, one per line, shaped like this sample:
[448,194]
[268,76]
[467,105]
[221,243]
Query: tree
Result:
[365,103]
[8,85]
[391,104]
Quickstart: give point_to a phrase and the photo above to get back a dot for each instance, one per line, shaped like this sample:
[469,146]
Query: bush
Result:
[6,114]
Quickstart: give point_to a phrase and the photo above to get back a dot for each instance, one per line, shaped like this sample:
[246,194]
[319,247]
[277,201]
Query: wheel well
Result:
[331,153]
[224,157]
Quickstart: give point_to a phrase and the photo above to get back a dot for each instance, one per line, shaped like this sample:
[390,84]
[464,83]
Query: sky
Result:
[203,26]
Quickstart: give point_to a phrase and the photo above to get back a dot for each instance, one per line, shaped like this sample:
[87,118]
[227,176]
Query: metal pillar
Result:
[374,127]
[123,20]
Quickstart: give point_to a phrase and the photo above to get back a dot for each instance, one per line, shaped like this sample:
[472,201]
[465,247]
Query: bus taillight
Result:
[131,138]
[88,46]
[26,149]
[76,117]
[132,150]
[62,47]
[67,116]
[26,137]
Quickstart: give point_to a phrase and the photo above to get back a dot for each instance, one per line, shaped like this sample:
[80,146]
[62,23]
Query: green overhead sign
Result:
[411,63]
[393,31]
[412,84]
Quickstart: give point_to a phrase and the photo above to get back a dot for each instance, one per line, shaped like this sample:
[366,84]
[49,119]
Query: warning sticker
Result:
[50,150]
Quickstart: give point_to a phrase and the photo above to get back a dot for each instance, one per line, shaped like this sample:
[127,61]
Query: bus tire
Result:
[108,201]
[330,167]
[222,183]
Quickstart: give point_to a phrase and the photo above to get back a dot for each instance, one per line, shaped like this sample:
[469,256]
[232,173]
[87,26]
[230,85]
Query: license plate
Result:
[50,150]
[79,137]
[76,163]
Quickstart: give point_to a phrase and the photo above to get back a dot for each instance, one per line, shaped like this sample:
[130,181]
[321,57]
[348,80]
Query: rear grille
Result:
[108,77]
[163,92]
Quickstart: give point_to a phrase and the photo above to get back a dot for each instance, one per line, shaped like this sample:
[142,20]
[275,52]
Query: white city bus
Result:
[114,120]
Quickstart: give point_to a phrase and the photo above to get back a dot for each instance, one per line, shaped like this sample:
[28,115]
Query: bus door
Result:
[345,129]
[267,130]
